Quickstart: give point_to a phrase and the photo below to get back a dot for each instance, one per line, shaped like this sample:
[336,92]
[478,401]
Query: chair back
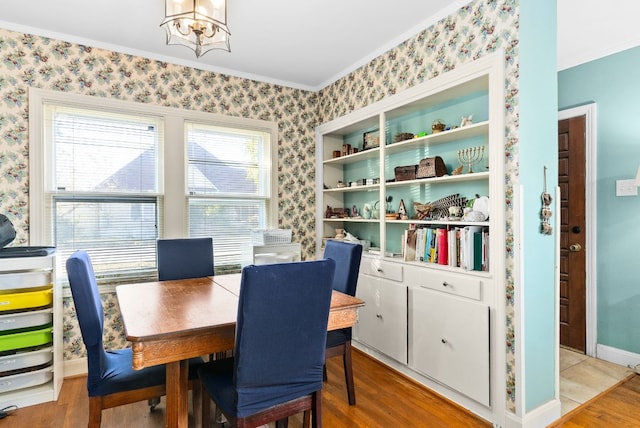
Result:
[184,258]
[347,257]
[89,312]
[281,330]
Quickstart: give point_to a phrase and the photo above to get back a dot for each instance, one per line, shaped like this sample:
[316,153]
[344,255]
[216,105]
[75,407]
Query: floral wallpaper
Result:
[478,29]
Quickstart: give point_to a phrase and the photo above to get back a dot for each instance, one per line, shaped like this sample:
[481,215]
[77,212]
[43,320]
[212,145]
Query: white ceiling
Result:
[304,44]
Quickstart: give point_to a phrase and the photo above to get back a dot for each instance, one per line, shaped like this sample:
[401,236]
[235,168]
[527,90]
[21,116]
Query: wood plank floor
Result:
[616,407]
[384,399]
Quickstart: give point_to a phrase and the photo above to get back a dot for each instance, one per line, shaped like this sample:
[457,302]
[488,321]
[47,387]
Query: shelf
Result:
[440,222]
[472,91]
[368,188]
[439,94]
[469,131]
[370,154]
[474,176]
[353,220]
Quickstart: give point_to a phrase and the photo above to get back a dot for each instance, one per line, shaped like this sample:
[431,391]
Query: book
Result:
[477,251]
[485,250]
[443,246]
[429,244]
[467,246]
[452,239]
[410,244]
[423,247]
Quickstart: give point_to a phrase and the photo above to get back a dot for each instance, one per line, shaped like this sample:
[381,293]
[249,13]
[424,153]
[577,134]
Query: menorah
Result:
[471,156]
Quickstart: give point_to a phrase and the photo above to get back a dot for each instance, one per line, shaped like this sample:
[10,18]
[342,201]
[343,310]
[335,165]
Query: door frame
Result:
[591,143]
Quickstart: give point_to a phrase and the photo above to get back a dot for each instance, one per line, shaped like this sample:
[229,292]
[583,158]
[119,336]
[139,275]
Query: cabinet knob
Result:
[379,316]
[445,284]
[380,270]
[443,340]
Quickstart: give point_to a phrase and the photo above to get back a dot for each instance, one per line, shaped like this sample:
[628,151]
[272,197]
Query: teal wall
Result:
[612,83]
[537,149]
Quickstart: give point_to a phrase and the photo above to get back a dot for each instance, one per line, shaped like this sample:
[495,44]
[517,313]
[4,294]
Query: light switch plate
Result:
[626,188]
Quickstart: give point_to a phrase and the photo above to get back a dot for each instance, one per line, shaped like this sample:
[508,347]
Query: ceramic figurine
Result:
[466,120]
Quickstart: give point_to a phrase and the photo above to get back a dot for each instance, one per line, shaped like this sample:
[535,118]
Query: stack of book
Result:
[465,247]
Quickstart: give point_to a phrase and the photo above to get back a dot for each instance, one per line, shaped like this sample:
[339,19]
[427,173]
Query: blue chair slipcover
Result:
[280,342]
[109,372]
[184,258]
[347,257]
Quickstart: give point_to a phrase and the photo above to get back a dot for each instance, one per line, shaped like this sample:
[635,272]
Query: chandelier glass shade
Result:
[198,24]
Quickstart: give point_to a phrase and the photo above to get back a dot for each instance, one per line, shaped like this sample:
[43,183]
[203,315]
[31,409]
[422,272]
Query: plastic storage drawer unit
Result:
[27,339]
[23,360]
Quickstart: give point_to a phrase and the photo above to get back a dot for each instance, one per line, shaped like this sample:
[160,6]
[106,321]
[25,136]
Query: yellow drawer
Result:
[11,300]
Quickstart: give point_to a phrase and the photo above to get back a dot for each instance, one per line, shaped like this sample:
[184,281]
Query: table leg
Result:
[178,394]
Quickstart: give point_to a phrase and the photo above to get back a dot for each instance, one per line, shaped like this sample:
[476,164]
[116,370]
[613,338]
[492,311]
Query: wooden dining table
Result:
[169,322]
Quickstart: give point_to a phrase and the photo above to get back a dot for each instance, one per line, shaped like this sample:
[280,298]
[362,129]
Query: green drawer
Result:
[26,339]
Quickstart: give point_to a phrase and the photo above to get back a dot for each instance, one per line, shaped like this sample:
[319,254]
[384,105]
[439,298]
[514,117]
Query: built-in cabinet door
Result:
[449,341]
[382,321]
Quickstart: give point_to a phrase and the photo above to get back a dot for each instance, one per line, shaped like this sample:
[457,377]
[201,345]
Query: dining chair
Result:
[184,258]
[111,379]
[281,330]
[347,257]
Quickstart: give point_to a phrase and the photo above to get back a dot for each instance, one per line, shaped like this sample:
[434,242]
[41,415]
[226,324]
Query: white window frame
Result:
[172,164]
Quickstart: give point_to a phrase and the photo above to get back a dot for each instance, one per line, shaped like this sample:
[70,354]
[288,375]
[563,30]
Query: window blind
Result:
[228,185]
[102,189]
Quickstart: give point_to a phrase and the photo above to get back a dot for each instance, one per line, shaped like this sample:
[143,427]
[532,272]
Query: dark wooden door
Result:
[571,179]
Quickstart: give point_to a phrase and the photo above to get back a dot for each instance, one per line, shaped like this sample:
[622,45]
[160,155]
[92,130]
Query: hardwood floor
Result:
[384,399]
[616,407]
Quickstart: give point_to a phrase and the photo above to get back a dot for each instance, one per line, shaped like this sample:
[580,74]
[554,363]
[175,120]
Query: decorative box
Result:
[431,167]
[404,173]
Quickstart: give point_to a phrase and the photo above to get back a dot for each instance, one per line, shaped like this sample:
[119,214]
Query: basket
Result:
[270,236]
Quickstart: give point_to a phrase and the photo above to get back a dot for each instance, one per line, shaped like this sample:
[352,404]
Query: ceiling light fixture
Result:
[197,24]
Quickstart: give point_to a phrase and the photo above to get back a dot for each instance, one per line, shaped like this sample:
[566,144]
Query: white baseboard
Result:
[541,416]
[75,367]
[617,356]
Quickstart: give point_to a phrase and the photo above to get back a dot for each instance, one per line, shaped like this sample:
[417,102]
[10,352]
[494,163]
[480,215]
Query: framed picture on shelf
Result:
[371,139]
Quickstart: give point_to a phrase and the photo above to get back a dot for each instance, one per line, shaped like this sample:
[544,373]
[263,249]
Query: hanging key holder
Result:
[545,212]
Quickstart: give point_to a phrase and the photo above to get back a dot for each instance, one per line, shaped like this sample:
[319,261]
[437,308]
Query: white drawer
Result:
[17,281]
[381,269]
[26,359]
[25,319]
[25,380]
[447,282]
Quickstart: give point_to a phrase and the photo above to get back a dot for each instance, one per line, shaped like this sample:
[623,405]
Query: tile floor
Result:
[583,377]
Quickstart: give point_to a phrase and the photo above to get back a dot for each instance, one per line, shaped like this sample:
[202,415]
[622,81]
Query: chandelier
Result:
[197,24]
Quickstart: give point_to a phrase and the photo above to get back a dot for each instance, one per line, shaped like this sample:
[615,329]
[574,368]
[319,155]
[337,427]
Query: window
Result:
[111,177]
[228,184]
